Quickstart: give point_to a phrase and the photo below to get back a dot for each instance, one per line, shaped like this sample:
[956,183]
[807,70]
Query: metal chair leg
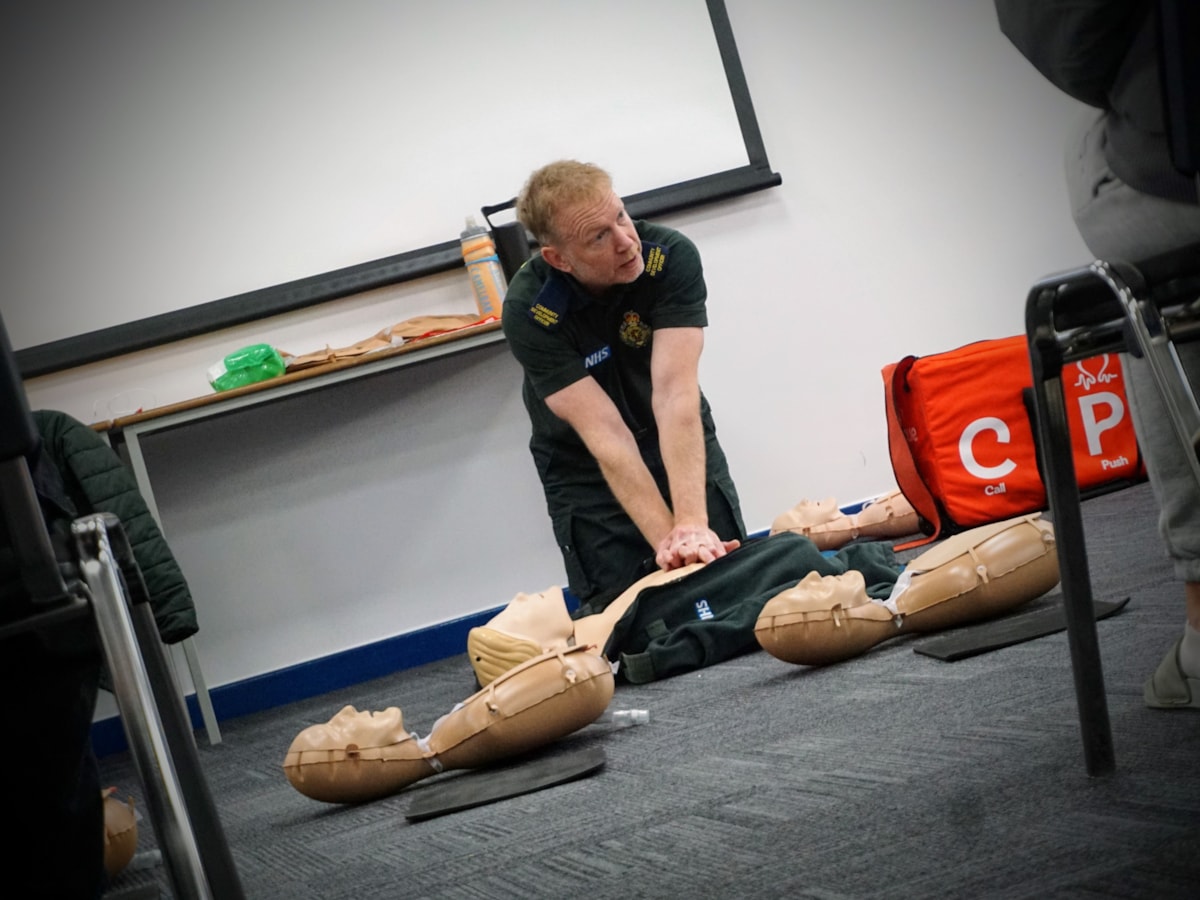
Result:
[156,724]
[1117,312]
[1063,494]
[1153,339]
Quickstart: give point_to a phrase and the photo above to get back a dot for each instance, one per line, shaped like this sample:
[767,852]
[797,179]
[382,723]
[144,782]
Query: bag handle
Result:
[904,465]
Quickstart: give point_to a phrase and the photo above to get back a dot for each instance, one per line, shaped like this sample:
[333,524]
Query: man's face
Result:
[597,243]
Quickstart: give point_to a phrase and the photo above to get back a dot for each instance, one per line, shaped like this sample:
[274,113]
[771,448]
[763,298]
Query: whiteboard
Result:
[168,155]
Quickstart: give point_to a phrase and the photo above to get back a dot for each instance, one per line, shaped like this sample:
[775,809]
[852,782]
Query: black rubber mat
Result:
[480,786]
[1006,631]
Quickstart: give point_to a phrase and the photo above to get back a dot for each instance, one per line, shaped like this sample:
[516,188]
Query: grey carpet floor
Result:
[891,775]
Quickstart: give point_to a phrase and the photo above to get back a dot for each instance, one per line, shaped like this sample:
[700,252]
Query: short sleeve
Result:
[684,294]
[549,362]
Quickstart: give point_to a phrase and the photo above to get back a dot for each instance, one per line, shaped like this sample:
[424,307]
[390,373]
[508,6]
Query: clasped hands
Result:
[687,544]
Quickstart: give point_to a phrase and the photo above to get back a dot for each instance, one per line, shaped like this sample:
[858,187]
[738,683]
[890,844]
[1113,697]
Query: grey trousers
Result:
[1117,222]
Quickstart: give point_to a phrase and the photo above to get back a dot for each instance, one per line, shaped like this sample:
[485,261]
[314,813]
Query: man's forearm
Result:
[681,442]
[635,489]
[587,409]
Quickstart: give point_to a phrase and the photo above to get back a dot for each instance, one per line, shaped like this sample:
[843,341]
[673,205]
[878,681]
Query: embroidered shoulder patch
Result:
[550,305]
[655,256]
[543,315]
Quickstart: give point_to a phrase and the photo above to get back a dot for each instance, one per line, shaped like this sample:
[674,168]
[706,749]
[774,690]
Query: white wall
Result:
[922,196]
[162,155]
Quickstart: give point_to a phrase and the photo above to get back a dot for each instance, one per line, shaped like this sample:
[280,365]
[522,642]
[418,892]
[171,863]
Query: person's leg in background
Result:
[1178,498]
[1117,222]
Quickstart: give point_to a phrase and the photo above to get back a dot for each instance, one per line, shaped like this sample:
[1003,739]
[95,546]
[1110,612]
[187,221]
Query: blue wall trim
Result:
[318,676]
[339,670]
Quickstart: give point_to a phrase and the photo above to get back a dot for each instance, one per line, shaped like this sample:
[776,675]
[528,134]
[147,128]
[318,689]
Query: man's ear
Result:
[554,258]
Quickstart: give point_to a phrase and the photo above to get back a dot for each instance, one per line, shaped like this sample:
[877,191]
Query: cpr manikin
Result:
[823,522]
[120,833]
[532,623]
[544,675]
[974,575]
[358,755]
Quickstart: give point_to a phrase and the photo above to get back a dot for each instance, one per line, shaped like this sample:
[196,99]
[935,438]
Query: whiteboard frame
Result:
[204,318]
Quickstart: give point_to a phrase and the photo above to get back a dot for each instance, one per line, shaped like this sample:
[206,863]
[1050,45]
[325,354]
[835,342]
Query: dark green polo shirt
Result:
[560,333]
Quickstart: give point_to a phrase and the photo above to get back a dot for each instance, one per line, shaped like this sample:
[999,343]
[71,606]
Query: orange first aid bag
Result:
[961,435]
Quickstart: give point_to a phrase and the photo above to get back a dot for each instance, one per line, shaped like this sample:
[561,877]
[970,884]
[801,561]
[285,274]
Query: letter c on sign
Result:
[967,455]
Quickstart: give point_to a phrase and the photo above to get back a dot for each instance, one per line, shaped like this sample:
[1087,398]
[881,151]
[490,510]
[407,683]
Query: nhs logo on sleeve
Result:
[599,356]
[703,610]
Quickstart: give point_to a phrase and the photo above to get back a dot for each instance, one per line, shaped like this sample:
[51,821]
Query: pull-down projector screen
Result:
[162,156]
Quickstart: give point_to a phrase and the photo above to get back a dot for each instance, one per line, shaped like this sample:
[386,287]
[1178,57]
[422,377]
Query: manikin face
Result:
[350,726]
[541,617]
[597,243]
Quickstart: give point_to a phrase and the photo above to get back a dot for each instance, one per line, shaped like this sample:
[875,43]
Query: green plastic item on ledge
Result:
[249,365]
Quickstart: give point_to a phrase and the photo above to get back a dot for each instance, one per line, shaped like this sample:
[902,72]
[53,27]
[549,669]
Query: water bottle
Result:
[483,265]
[622,717]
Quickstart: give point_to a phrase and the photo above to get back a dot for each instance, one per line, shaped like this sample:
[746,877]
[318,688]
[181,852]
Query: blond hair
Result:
[553,187]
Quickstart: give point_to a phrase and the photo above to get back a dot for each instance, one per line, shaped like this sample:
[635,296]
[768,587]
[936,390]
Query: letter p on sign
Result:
[1090,406]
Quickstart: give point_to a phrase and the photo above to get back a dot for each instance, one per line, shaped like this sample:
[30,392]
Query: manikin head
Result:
[572,210]
[352,728]
[541,617]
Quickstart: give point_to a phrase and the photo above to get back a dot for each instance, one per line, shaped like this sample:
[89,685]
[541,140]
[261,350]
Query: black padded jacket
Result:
[78,473]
